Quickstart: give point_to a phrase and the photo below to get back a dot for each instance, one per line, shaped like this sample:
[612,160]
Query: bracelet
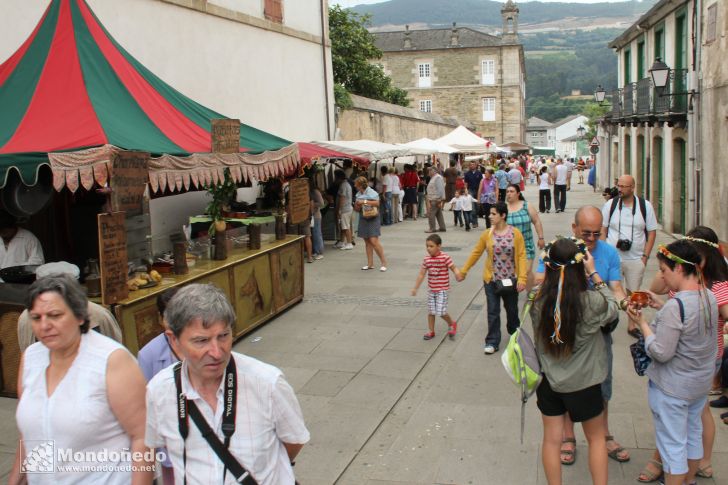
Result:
[591,274]
[646,256]
[600,285]
[624,304]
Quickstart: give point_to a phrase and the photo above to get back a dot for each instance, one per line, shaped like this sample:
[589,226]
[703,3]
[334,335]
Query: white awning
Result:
[429,147]
[373,150]
[465,141]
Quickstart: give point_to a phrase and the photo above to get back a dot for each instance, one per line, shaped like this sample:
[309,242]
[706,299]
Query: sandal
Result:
[365,268]
[568,457]
[705,472]
[650,476]
[614,454]
[428,336]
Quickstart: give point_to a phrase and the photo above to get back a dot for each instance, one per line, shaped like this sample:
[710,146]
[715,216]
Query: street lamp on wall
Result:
[580,132]
[600,95]
[660,73]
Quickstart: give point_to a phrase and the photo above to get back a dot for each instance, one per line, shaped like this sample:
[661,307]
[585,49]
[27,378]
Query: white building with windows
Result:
[559,134]
[463,73]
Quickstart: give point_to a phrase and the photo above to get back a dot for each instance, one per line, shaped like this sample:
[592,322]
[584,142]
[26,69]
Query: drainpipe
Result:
[324,38]
[694,122]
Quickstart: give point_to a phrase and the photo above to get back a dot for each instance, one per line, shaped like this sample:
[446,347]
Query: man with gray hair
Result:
[435,200]
[224,417]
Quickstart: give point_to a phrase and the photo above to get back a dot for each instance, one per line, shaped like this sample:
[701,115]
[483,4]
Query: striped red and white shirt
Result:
[720,291]
[438,271]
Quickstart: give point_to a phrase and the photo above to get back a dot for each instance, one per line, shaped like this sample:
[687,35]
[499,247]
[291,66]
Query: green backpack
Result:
[521,362]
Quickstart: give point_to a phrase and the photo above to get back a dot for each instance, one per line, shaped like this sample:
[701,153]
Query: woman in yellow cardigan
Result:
[504,272]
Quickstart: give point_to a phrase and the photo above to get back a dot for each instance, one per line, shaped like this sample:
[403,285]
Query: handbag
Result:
[504,287]
[640,359]
[369,211]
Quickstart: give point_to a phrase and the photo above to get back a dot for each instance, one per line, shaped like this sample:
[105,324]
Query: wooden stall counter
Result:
[260,284]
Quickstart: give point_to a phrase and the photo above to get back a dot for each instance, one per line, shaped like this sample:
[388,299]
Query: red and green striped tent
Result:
[71,86]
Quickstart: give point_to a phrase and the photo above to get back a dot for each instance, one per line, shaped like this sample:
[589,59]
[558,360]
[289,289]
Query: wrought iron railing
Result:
[628,99]
[644,86]
[616,103]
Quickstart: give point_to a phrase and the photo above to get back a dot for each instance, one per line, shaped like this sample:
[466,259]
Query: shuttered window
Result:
[488,109]
[487,70]
[273,10]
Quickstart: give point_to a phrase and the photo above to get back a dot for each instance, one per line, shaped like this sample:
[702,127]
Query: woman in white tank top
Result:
[81,397]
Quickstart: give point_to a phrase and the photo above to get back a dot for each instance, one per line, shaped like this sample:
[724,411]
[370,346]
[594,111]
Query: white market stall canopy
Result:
[373,150]
[425,146]
[465,141]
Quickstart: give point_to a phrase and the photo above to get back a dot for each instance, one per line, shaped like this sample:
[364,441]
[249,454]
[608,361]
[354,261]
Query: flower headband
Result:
[695,239]
[662,249]
[546,258]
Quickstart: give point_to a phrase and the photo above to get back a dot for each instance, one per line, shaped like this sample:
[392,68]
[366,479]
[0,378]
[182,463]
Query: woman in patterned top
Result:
[521,216]
[504,272]
[715,274]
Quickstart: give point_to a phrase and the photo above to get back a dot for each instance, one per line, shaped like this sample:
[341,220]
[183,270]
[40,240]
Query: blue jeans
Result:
[387,216]
[317,236]
[458,217]
[510,301]
[474,212]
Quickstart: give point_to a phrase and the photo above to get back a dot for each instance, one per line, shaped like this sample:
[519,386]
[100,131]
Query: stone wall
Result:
[376,120]
[457,89]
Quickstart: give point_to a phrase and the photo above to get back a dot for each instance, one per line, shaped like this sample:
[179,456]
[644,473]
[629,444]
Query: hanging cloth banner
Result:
[83,168]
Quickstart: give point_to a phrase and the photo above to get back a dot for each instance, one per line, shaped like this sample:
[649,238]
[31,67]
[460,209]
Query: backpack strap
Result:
[615,201]
[682,309]
[643,211]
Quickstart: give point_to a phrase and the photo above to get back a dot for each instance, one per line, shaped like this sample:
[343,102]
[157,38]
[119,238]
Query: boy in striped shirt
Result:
[436,266]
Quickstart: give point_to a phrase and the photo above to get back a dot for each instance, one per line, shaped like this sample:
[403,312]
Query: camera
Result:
[624,244]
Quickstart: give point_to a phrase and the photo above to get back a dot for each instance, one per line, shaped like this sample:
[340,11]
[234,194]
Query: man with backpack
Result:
[630,226]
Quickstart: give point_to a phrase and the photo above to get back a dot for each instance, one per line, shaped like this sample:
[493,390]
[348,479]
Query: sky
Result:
[351,3]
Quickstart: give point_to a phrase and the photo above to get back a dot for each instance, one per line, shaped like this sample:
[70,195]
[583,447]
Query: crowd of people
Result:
[246,423]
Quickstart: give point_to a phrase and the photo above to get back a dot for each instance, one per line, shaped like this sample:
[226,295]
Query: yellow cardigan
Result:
[485,243]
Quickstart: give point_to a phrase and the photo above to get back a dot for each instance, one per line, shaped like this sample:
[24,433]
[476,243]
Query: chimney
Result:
[407,40]
[454,39]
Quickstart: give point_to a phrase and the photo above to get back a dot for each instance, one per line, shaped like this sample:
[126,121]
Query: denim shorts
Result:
[678,429]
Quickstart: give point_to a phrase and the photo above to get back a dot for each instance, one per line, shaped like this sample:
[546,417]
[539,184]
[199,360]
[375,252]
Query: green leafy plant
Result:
[222,194]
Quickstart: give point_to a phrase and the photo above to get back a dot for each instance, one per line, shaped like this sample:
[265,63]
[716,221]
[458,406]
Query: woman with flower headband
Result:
[681,343]
[715,273]
[568,319]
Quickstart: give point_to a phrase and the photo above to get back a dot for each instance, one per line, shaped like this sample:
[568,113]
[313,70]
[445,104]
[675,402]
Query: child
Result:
[466,205]
[436,265]
[455,206]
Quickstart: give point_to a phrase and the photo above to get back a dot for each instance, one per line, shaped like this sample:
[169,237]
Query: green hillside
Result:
[487,12]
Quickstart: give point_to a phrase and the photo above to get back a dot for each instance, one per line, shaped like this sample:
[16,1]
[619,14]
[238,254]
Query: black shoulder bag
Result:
[187,408]
[639,354]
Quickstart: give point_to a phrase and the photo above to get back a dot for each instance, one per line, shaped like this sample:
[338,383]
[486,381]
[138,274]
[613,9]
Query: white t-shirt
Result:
[632,227]
[544,185]
[456,203]
[569,166]
[561,174]
[267,415]
[388,182]
[466,202]
[23,249]
[395,184]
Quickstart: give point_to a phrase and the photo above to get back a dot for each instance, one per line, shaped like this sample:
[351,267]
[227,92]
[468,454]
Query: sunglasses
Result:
[586,234]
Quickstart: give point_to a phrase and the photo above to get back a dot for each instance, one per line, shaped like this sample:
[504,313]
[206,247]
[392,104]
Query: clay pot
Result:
[640,298]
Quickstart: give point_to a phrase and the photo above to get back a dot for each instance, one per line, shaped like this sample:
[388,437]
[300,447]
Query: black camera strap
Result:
[634,211]
[187,408]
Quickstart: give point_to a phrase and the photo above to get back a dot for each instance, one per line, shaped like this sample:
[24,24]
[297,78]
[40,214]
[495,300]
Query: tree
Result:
[594,112]
[352,55]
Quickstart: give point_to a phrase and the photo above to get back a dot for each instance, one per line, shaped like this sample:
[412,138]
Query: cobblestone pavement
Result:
[386,407]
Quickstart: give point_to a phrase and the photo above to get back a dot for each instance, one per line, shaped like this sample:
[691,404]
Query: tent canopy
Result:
[429,147]
[516,147]
[369,149]
[465,141]
[71,86]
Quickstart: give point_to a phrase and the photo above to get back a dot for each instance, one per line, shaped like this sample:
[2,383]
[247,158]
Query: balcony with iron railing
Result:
[641,102]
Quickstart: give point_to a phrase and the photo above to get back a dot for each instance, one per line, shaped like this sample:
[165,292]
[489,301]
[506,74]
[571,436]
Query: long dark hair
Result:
[574,284]
[715,267]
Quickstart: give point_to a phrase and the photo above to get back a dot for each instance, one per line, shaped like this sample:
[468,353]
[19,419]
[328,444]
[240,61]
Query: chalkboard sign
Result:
[129,177]
[113,258]
[225,136]
[299,202]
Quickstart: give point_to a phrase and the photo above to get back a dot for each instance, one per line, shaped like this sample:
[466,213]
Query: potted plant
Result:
[221,194]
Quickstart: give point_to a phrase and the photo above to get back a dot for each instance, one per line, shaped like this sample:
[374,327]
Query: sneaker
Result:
[318,256]
[453,329]
[489,349]
[339,244]
[428,336]
[347,247]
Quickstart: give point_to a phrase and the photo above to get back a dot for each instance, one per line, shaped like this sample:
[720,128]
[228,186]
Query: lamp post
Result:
[600,95]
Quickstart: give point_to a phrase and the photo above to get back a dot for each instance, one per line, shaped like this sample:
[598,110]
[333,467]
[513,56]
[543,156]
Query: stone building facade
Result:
[463,73]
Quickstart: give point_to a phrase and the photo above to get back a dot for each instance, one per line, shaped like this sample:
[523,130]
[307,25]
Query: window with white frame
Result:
[424,71]
[487,71]
[488,109]
[426,105]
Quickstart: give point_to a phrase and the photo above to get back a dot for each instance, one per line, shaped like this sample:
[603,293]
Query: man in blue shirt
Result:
[502,178]
[472,181]
[587,226]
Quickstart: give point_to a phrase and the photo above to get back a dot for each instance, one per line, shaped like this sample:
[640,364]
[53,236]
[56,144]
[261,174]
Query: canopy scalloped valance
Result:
[84,168]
